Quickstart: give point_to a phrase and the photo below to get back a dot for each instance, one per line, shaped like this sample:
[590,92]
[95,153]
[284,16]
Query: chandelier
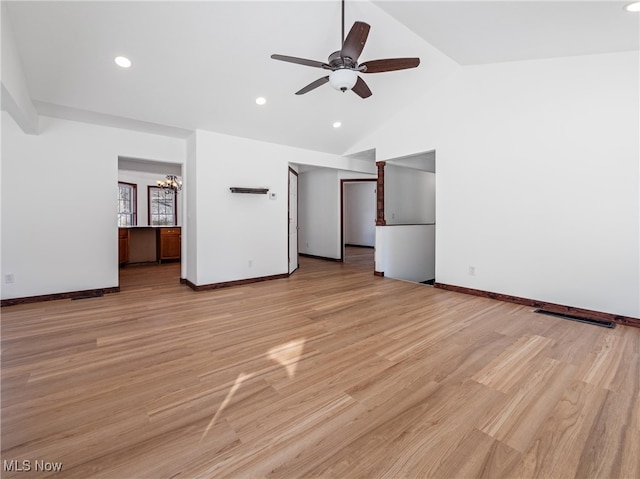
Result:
[171,184]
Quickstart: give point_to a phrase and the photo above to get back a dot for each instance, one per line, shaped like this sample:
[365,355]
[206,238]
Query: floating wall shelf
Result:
[255,191]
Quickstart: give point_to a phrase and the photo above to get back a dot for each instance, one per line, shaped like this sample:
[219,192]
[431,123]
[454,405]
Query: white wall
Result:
[409,195]
[360,213]
[143,180]
[238,236]
[59,213]
[406,252]
[538,181]
[190,233]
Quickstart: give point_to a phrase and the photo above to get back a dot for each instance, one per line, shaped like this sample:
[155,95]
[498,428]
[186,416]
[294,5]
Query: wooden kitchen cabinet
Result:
[169,244]
[123,245]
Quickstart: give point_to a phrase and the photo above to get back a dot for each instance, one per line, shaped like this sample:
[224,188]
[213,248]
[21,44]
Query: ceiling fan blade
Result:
[361,89]
[390,64]
[302,61]
[354,43]
[313,85]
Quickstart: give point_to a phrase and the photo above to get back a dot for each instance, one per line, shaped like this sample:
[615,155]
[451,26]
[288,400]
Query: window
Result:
[127,213]
[162,207]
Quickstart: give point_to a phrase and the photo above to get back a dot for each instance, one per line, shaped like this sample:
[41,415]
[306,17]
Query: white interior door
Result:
[293,221]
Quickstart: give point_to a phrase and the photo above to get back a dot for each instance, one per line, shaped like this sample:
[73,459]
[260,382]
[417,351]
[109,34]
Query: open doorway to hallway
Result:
[358,216]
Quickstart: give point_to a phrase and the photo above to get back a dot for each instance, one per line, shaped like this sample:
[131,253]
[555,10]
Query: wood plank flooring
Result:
[332,372]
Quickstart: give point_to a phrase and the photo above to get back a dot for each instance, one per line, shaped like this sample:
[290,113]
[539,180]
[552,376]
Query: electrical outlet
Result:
[8,278]
[472,270]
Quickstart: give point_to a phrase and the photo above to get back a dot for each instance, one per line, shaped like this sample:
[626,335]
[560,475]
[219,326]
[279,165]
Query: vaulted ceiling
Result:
[201,65]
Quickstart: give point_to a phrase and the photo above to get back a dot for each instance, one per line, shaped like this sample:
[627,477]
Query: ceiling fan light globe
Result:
[343,79]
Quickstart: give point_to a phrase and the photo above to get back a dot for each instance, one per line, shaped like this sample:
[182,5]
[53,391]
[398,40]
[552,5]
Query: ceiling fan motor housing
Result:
[343,79]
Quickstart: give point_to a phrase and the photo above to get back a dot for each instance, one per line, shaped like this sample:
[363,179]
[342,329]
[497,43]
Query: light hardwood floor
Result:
[332,372]
[359,255]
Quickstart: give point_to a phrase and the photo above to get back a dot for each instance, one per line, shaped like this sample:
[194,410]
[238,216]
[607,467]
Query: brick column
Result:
[380,221]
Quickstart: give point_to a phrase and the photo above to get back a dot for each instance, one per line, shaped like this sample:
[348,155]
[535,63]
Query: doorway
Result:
[150,221]
[357,220]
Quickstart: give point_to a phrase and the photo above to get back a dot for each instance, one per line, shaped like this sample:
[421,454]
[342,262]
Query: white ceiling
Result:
[476,32]
[200,65]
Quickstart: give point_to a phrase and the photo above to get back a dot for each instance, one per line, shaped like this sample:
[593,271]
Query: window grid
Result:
[127,213]
[162,207]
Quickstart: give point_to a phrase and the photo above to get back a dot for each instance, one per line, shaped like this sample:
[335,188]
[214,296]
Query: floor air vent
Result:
[597,322]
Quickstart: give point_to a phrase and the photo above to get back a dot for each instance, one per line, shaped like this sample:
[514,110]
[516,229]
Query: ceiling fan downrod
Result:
[342,37]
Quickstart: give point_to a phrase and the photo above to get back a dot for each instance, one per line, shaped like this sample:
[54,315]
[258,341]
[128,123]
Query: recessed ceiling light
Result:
[123,62]
[261,100]
[633,7]
[337,124]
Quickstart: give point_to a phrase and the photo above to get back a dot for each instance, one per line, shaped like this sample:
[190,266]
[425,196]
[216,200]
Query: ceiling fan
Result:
[344,64]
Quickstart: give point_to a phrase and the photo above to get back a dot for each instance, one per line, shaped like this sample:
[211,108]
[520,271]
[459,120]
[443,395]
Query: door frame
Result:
[342,184]
[295,173]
